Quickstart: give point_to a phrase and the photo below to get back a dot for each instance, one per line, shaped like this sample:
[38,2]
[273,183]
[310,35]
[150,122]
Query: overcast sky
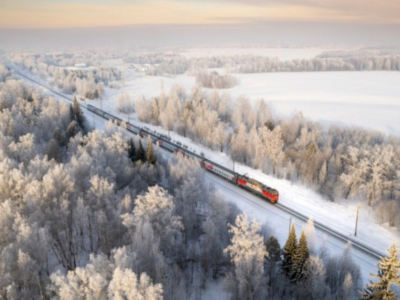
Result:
[62,23]
[95,13]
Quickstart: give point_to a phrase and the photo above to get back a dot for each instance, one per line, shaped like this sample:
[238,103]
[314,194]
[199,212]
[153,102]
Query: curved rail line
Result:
[356,244]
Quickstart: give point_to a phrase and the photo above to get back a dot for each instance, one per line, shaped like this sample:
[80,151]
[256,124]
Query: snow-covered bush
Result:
[214,80]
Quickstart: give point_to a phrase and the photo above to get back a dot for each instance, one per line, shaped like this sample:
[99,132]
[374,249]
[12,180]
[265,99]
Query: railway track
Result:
[360,246]
[356,244]
[36,82]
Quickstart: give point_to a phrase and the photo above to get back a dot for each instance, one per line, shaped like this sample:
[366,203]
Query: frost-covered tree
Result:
[150,155]
[78,114]
[337,269]
[273,258]
[238,145]
[379,165]
[219,136]
[157,208]
[191,202]
[24,150]
[247,252]
[124,104]
[309,231]
[216,237]
[388,275]
[126,285]
[170,114]
[142,109]
[271,146]
[315,282]
[214,80]
[72,130]
[4,73]
[140,153]
[102,279]
[90,282]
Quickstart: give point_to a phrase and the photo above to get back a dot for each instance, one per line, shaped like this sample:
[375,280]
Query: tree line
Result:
[106,219]
[89,83]
[338,162]
[261,64]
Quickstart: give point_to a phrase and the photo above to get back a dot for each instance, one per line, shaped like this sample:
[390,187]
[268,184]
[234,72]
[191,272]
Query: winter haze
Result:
[199,150]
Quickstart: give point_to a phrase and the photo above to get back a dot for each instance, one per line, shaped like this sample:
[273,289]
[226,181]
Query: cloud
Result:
[101,13]
[381,11]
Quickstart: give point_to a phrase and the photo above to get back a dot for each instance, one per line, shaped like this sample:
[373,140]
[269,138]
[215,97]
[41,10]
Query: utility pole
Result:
[233,163]
[358,209]
[290,224]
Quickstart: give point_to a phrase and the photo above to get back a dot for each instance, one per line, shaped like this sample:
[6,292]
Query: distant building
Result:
[146,67]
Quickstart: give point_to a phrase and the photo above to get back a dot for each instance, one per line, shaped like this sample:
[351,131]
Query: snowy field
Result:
[366,99]
[281,53]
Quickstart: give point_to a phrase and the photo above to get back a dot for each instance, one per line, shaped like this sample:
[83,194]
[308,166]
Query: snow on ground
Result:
[370,98]
[337,216]
[150,86]
[340,217]
[215,290]
[279,221]
[366,99]
[303,199]
[73,68]
[281,53]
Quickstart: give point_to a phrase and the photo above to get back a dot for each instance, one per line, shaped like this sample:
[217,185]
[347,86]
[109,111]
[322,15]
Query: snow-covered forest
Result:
[199,150]
[88,79]
[100,215]
[178,64]
[339,162]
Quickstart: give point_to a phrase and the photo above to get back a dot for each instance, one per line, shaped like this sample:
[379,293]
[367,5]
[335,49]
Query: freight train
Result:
[243,181]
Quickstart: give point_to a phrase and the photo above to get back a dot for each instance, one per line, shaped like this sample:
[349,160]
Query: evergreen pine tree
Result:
[72,130]
[140,154]
[273,249]
[58,137]
[78,114]
[300,259]
[150,156]
[269,125]
[71,112]
[289,251]
[273,258]
[131,150]
[388,274]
